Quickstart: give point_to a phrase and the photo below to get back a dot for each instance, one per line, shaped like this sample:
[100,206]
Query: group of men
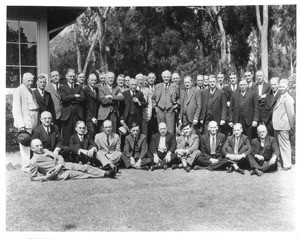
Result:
[79,121]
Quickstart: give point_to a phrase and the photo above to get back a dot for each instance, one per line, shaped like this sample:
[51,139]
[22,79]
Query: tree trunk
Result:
[79,57]
[90,52]
[263,29]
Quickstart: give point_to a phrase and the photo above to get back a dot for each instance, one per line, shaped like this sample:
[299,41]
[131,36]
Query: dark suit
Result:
[51,141]
[213,107]
[170,145]
[109,107]
[87,143]
[72,109]
[45,103]
[137,150]
[206,155]
[131,111]
[261,101]
[270,148]
[92,104]
[244,147]
[270,103]
[244,110]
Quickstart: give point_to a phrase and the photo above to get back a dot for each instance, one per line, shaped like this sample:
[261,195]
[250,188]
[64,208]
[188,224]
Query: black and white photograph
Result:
[153,117]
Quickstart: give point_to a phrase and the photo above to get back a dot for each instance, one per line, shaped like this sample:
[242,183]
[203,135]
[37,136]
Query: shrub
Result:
[11,142]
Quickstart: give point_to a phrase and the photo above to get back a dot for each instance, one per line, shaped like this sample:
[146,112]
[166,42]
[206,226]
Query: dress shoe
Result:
[252,172]
[197,167]
[258,172]
[165,167]
[187,169]
[111,173]
[154,167]
[174,166]
[145,167]
[287,168]
[238,170]
[229,169]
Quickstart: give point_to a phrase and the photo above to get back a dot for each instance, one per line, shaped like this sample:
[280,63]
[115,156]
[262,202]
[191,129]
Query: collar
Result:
[46,128]
[41,91]
[70,85]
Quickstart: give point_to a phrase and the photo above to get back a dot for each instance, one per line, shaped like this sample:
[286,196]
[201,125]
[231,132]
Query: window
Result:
[21,51]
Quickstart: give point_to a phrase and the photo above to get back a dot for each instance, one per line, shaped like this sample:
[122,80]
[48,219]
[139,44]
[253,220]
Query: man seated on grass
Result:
[236,149]
[211,145]
[265,151]
[162,147]
[187,148]
[45,166]
[83,148]
[135,149]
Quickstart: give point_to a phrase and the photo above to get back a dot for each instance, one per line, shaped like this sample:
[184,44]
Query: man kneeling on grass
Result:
[53,167]
[264,153]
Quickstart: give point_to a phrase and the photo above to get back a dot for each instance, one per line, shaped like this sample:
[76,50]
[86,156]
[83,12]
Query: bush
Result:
[11,142]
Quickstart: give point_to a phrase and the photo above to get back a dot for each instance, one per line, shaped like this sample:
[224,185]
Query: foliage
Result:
[11,142]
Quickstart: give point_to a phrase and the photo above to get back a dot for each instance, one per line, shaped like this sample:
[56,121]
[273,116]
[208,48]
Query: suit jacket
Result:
[270,103]
[92,103]
[173,89]
[147,112]
[228,92]
[284,113]
[75,144]
[190,104]
[141,143]
[270,147]
[109,105]
[192,143]
[24,101]
[45,104]
[244,145]
[114,141]
[265,89]
[56,99]
[125,106]
[251,112]
[70,103]
[205,145]
[219,107]
[170,143]
[49,142]
[221,87]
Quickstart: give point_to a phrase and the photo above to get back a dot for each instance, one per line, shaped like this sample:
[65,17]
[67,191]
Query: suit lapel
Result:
[52,129]
[207,141]
[190,94]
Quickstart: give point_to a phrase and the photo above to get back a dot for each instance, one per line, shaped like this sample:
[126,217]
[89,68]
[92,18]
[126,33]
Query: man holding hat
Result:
[25,113]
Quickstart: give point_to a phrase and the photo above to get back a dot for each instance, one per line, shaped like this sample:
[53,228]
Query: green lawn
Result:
[153,201]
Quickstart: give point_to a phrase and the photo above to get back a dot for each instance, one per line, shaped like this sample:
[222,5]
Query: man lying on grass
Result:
[52,166]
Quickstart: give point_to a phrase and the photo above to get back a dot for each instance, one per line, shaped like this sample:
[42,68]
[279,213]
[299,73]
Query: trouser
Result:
[25,154]
[248,130]
[283,141]
[264,166]
[203,161]
[78,171]
[189,159]
[167,116]
[152,127]
[144,161]
[144,127]
[162,156]
[68,127]
[106,158]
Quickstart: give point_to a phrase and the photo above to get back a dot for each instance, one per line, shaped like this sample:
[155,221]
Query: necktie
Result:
[213,145]
[108,143]
[49,133]
[186,142]
[236,146]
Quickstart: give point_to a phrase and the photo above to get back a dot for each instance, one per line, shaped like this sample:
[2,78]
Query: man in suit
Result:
[109,98]
[43,98]
[102,80]
[249,78]
[53,88]
[162,148]
[221,83]
[261,88]
[206,81]
[92,102]
[25,114]
[283,120]
[244,110]
[133,104]
[211,145]
[109,146]
[165,95]
[46,166]
[199,82]
[81,79]
[271,99]
[187,148]
[50,136]
[83,148]
[72,97]
[121,83]
[213,105]
[265,152]
[147,111]
[175,78]
[190,103]
[135,149]
[236,150]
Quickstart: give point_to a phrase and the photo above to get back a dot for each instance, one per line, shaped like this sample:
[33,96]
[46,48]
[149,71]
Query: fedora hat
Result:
[123,130]
[24,138]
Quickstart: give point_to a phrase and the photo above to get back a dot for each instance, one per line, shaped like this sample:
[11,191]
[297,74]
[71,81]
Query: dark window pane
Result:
[28,54]
[28,32]
[32,70]
[12,77]
[12,54]
[12,31]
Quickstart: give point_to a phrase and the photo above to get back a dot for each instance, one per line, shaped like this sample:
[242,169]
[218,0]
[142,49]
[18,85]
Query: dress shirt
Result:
[162,144]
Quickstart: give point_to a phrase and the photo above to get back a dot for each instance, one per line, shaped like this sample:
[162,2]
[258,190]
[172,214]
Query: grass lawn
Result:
[153,201]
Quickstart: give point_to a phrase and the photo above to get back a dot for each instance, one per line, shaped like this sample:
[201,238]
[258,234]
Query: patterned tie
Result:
[213,145]
[236,146]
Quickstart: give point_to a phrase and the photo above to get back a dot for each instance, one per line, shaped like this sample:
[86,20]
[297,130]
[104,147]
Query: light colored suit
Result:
[283,120]
[56,99]
[192,145]
[112,152]
[25,113]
